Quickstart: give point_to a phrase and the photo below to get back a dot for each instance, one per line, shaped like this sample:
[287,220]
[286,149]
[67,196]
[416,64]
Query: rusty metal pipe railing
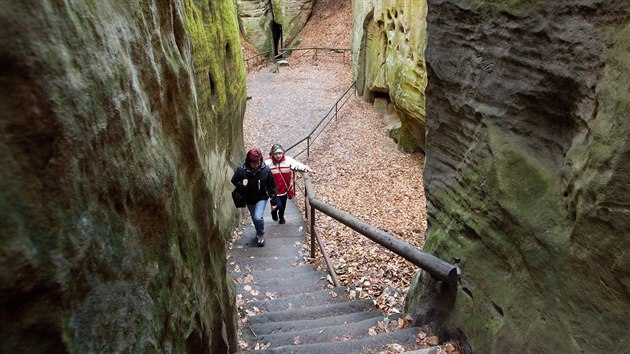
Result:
[308,138]
[438,268]
[310,212]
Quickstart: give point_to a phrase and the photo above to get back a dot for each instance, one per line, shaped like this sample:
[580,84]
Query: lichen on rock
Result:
[526,174]
[388,61]
[259,19]
[121,124]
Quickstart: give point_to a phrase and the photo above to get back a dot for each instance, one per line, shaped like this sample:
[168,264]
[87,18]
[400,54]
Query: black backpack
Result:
[239,199]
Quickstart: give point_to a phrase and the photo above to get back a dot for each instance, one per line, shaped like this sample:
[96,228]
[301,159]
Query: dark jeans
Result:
[282,204]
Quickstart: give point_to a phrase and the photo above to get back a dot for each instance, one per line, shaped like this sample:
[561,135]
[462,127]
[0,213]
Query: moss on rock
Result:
[121,130]
[388,51]
[526,144]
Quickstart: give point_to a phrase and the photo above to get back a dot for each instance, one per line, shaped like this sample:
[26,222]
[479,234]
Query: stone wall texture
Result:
[527,174]
[257,17]
[388,40]
[120,123]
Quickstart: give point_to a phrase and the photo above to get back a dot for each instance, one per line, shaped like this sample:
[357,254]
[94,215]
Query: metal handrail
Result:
[247,60]
[309,138]
[284,51]
[438,268]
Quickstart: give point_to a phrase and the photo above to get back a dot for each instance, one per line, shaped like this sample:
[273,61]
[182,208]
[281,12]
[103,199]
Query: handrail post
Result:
[336,111]
[312,229]
[308,147]
[306,205]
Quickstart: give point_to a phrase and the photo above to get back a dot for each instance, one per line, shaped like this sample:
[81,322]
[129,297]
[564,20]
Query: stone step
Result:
[274,247]
[432,350]
[286,232]
[321,297]
[307,282]
[298,325]
[314,312]
[251,264]
[257,276]
[342,332]
[404,337]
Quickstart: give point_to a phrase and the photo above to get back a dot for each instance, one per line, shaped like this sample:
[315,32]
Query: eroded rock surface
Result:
[268,24]
[118,122]
[388,61]
[527,182]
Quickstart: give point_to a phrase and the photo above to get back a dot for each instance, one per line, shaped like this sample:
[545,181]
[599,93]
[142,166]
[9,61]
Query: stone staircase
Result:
[288,307]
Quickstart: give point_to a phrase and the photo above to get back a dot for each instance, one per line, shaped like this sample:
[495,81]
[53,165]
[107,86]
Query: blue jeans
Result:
[257,210]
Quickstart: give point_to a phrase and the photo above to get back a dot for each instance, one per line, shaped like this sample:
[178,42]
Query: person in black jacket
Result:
[254,180]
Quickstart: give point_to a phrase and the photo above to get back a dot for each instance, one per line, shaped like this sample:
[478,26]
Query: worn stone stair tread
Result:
[289,272]
[432,350]
[315,298]
[348,331]
[298,325]
[263,263]
[315,312]
[404,337]
[286,233]
[285,286]
[274,247]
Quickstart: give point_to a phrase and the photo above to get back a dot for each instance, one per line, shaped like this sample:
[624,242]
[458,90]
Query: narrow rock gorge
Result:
[526,175]
[120,123]
[272,24]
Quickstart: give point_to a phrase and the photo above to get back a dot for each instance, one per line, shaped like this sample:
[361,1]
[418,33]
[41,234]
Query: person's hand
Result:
[308,169]
[245,182]
[273,207]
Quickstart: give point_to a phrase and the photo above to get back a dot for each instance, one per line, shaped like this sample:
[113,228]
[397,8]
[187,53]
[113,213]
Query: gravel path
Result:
[285,106]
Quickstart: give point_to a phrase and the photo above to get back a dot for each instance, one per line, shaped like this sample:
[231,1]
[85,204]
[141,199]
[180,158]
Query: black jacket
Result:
[260,183]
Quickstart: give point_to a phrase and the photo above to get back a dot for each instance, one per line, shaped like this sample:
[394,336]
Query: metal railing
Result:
[315,50]
[438,268]
[319,128]
[257,60]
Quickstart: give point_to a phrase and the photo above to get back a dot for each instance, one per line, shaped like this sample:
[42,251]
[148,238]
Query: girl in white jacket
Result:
[281,167]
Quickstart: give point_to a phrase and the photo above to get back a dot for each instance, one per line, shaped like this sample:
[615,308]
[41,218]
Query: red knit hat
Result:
[254,155]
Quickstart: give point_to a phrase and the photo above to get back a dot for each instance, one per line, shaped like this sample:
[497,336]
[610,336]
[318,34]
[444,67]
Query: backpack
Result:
[238,198]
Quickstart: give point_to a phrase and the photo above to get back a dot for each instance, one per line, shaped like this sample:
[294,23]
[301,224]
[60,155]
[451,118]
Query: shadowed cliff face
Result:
[118,122]
[526,172]
[260,18]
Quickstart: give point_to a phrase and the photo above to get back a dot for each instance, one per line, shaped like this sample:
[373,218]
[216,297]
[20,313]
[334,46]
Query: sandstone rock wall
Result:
[120,121]
[258,17]
[388,61]
[526,175]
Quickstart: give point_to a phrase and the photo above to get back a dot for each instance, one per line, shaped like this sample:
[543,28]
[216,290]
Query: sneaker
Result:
[260,240]
[274,215]
[282,221]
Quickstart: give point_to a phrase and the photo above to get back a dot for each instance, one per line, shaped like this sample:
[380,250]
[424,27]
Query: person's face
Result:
[277,156]
[255,164]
